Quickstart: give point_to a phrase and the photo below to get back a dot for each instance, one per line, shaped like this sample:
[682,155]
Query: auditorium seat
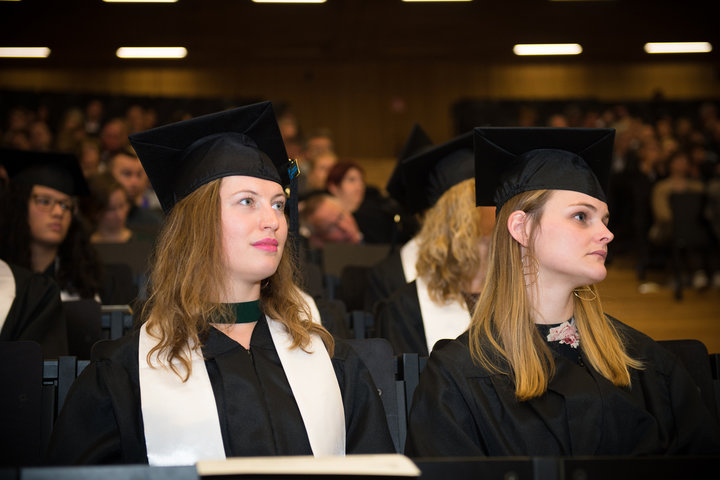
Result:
[694,356]
[377,355]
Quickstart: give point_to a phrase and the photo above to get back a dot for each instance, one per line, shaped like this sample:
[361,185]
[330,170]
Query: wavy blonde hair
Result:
[453,242]
[186,277]
[503,337]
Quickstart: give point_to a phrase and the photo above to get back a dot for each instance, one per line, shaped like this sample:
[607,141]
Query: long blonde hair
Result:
[503,337]
[450,242]
[186,282]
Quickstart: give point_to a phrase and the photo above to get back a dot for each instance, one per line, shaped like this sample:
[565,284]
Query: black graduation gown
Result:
[383,279]
[36,313]
[399,320]
[461,410]
[101,421]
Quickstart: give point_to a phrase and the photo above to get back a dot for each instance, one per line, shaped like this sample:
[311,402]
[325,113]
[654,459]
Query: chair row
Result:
[35,389]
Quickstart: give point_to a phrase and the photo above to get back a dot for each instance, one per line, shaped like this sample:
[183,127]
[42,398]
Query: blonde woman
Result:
[453,246]
[229,361]
[543,370]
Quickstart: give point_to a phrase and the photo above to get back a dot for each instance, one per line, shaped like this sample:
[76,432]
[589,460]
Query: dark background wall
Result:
[367,69]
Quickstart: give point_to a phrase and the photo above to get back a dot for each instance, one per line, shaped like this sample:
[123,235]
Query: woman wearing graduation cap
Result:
[452,249]
[543,370]
[42,231]
[229,361]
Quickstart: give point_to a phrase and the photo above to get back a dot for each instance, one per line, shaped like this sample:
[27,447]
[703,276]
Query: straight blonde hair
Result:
[450,241]
[502,335]
[186,277]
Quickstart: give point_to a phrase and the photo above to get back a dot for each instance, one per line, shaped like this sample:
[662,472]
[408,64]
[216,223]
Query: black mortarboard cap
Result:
[57,170]
[180,157]
[509,161]
[418,141]
[430,173]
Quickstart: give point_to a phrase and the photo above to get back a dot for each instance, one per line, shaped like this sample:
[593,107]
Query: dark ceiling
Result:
[219,33]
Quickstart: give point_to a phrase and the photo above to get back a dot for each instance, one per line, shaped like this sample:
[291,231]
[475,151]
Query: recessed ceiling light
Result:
[547,49]
[140,1]
[678,47]
[24,52]
[288,1]
[151,52]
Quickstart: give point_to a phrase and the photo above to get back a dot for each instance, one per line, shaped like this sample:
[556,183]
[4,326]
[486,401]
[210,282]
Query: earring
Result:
[583,290]
[530,267]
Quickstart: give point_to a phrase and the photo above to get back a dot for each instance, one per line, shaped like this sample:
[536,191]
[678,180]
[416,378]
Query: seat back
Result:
[377,355]
[361,323]
[336,256]
[21,366]
[136,254]
[83,324]
[58,376]
[115,321]
[695,358]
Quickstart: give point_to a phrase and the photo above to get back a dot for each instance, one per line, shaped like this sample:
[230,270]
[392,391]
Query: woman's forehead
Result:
[567,198]
[43,190]
[242,182]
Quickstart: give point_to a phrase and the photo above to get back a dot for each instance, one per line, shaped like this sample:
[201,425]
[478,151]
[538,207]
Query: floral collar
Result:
[565,333]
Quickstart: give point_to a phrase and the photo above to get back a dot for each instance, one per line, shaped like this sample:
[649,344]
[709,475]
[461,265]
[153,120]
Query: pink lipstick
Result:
[267,244]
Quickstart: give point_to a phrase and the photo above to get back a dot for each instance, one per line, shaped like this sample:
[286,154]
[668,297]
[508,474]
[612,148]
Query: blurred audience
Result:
[113,138]
[107,209]
[325,220]
[125,166]
[316,172]
[648,137]
[376,215]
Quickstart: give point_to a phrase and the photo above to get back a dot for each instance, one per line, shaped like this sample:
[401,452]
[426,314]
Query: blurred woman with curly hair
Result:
[453,245]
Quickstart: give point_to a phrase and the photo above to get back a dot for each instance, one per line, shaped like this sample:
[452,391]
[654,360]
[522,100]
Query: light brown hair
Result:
[503,336]
[450,242]
[186,283]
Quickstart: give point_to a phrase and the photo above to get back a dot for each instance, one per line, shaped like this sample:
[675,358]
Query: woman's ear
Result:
[333,189]
[517,225]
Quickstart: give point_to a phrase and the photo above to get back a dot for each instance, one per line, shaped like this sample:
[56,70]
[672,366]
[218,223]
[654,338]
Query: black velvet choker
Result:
[246,312]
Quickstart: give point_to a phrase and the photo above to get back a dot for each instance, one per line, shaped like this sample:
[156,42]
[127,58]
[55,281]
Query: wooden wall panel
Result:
[371,106]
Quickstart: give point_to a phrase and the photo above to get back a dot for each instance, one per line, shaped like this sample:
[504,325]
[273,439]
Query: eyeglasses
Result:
[47,204]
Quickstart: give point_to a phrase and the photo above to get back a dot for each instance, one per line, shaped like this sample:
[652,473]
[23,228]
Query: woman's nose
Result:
[606,235]
[269,218]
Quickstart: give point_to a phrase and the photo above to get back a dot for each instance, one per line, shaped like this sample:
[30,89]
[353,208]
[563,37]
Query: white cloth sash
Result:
[408,257]
[181,421]
[180,418]
[314,385]
[440,321]
[7,291]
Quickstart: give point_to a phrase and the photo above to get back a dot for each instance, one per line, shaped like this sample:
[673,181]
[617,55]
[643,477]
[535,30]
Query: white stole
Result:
[440,321]
[7,291]
[174,436]
[408,257]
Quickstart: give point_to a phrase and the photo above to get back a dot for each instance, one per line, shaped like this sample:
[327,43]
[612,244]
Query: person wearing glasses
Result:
[41,231]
